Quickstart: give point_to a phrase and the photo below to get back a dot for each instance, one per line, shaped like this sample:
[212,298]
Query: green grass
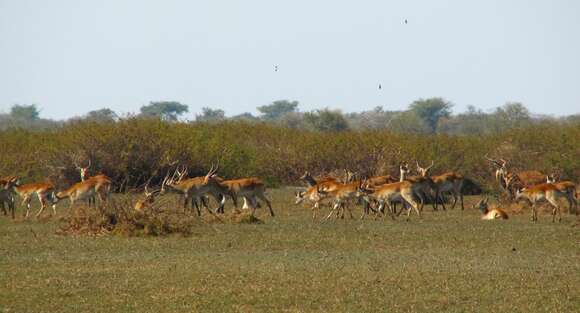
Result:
[447,261]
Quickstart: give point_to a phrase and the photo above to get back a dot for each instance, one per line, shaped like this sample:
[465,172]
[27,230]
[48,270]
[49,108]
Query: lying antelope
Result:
[251,189]
[538,193]
[44,192]
[143,204]
[487,214]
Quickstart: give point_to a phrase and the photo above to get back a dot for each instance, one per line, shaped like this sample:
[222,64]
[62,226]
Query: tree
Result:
[408,122]
[431,111]
[25,112]
[102,115]
[325,120]
[210,115]
[277,109]
[513,112]
[166,110]
[246,116]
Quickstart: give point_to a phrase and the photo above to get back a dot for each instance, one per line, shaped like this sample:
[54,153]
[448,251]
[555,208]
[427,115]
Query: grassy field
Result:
[445,262]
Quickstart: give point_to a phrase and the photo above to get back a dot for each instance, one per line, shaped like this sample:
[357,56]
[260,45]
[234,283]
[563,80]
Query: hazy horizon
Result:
[71,57]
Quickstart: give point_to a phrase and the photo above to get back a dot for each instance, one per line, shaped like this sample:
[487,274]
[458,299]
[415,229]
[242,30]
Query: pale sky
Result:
[70,57]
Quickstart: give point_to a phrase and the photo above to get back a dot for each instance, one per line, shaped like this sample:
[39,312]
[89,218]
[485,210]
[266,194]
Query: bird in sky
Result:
[405,21]
[380,87]
[276,68]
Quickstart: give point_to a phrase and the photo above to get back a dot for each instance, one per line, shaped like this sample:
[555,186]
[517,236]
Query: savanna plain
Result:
[447,261]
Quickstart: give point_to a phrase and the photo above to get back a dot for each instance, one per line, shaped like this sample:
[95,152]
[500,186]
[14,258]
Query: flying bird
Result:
[405,21]
[380,86]
[276,68]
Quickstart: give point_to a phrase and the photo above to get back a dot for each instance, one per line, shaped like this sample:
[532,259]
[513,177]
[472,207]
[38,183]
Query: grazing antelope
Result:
[537,193]
[95,186]
[142,204]
[251,189]
[487,214]
[386,194]
[44,192]
[447,182]
[193,188]
[569,189]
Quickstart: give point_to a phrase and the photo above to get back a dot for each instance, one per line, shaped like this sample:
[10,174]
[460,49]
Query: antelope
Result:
[326,183]
[388,193]
[44,192]
[487,214]
[537,193]
[500,171]
[569,189]
[423,184]
[6,196]
[95,186]
[447,182]
[312,194]
[142,204]
[342,194]
[514,181]
[84,174]
[190,188]
[249,188]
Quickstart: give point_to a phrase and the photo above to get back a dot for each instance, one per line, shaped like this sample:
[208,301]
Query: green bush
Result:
[130,151]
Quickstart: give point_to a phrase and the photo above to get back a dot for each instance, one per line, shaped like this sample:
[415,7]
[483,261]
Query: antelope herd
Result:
[378,195]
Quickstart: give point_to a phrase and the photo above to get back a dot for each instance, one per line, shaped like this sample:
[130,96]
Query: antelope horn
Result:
[432,163]
[89,163]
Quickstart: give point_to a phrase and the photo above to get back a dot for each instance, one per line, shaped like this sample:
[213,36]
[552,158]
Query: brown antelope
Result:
[95,186]
[537,193]
[44,192]
[314,195]
[386,194]
[325,183]
[142,204]
[569,189]
[424,185]
[500,170]
[84,174]
[487,214]
[524,179]
[251,189]
[190,188]
[447,182]
[342,194]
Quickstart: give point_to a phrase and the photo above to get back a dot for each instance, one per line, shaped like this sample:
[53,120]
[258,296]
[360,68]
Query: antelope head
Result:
[482,205]
[83,170]
[403,170]
[176,178]
[424,172]
[300,195]
[211,174]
